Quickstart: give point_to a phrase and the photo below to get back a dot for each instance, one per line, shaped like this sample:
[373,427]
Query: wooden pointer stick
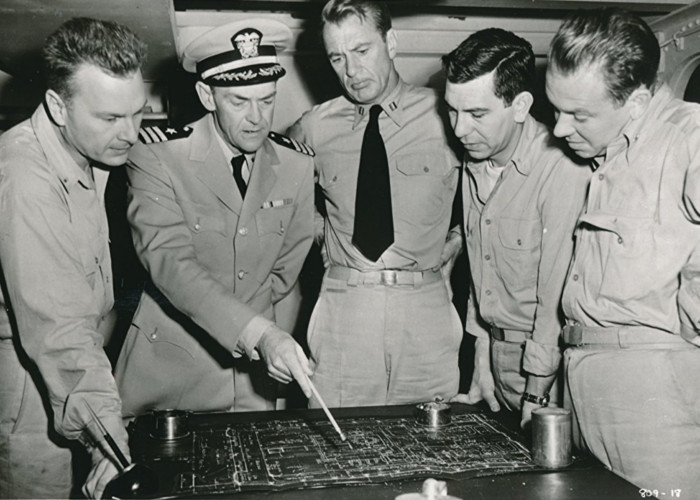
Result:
[108,437]
[325,408]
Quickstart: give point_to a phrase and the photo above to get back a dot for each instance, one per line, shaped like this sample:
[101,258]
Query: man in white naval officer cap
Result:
[221,214]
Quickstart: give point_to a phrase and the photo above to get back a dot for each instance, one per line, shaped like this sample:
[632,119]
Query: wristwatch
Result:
[540,400]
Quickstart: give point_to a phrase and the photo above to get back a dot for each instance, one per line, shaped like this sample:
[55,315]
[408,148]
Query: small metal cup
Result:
[551,437]
[170,424]
[434,413]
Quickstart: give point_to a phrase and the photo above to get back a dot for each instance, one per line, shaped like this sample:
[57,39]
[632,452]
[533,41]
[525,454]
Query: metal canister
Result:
[170,424]
[434,413]
[551,437]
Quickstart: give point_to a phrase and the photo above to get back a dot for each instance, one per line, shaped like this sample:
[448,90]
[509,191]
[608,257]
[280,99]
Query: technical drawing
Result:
[298,453]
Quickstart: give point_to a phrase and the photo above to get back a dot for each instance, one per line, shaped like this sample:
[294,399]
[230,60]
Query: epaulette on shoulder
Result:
[290,143]
[151,135]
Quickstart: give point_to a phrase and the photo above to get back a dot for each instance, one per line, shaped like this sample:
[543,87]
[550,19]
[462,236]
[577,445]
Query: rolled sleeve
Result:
[541,359]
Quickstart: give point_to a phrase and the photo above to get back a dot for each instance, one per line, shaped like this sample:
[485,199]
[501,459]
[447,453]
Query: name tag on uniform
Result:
[277,203]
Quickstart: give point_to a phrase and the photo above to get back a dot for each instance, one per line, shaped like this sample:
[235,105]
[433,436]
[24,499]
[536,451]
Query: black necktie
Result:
[237,163]
[373,231]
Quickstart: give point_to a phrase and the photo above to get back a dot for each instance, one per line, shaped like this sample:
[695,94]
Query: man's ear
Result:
[638,101]
[206,95]
[392,42]
[521,105]
[57,107]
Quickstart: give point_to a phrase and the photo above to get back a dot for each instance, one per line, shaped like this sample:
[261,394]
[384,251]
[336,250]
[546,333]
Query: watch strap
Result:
[540,400]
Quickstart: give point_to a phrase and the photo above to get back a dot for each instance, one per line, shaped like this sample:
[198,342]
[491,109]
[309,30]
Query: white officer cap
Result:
[238,53]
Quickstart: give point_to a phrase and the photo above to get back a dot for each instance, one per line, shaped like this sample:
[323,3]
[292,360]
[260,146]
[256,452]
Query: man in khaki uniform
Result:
[384,330]
[632,295]
[221,213]
[57,276]
[522,197]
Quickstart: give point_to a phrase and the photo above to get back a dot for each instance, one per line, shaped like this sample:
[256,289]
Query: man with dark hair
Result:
[222,218]
[522,197]
[632,296]
[55,259]
[383,330]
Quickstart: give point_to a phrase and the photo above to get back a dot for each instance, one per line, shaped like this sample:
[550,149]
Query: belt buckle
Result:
[497,333]
[388,277]
[575,334]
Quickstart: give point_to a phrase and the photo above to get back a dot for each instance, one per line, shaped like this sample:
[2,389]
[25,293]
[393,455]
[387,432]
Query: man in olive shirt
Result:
[383,330]
[522,196]
[632,296]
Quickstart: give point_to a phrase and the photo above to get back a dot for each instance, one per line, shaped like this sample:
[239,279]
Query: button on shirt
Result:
[637,259]
[423,169]
[519,238]
[55,257]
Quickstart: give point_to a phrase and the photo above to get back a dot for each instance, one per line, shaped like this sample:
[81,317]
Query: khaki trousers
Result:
[638,412]
[34,461]
[375,344]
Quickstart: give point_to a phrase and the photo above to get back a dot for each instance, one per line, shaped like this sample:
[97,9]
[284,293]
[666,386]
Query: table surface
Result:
[585,479]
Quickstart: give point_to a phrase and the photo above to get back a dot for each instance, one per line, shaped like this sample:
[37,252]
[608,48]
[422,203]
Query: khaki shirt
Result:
[637,259]
[520,240]
[55,258]
[424,174]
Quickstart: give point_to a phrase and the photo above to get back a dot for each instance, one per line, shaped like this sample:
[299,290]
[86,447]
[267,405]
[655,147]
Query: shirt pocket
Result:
[207,228]
[201,219]
[628,246]
[338,181]
[420,191]
[161,330]
[274,221]
[519,260]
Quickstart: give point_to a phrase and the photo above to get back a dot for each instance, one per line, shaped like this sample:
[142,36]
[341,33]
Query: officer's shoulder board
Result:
[290,143]
[154,134]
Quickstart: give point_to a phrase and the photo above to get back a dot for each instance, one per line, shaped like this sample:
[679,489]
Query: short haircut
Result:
[493,50]
[336,11]
[113,48]
[618,42]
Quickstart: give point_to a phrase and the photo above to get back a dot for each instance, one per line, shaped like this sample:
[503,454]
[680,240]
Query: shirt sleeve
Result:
[691,188]
[56,309]
[298,132]
[298,238]
[689,298]
[562,202]
[474,324]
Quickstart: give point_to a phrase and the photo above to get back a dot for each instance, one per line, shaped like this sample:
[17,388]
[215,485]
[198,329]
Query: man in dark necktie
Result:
[222,217]
[383,330]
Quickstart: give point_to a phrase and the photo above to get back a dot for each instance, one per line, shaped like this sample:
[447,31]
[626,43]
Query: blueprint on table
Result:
[299,453]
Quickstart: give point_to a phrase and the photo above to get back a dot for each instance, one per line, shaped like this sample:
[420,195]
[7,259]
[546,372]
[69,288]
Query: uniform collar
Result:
[66,168]
[521,159]
[392,106]
[632,131]
[229,151]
